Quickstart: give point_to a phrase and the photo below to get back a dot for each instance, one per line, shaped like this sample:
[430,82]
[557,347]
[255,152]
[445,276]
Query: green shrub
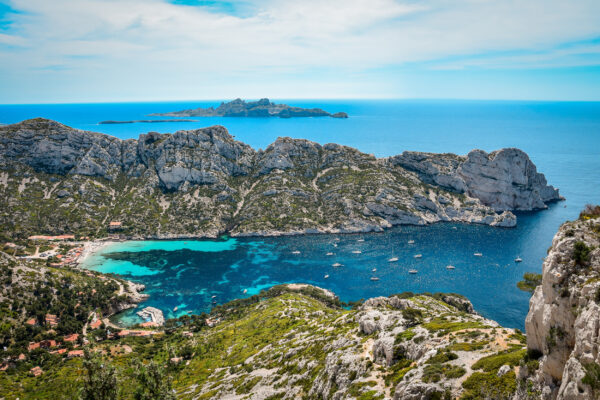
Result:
[581,253]
[530,282]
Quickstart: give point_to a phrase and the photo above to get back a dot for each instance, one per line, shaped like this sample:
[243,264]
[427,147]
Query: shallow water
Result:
[561,138]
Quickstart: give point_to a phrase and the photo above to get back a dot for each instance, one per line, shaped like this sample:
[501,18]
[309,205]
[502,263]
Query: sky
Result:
[67,51]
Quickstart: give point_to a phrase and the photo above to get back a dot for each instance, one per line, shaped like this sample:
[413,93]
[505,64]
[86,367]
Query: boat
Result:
[175,309]
[335,245]
[374,270]
[245,291]
[518,259]
[411,242]
[360,240]
[412,271]
[329,254]
[295,252]
[477,254]
[356,252]
[450,267]
[374,278]
[418,255]
[326,276]
[393,259]
[336,265]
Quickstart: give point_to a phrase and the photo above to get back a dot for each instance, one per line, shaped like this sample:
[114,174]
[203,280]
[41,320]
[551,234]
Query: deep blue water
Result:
[562,139]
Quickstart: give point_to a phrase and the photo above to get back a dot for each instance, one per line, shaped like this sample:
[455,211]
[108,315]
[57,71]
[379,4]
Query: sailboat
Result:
[393,259]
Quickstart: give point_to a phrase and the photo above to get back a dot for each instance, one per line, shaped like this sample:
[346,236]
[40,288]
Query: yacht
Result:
[450,267]
[518,259]
[418,255]
[412,271]
[245,291]
[411,242]
[295,252]
[374,270]
[393,259]
[329,254]
[374,278]
[356,252]
[336,265]
[477,254]
[326,276]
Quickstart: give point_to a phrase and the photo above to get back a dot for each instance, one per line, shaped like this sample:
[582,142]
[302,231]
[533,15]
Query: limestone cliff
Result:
[563,324]
[201,183]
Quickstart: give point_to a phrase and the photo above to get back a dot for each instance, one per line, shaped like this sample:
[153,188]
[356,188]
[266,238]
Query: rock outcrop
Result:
[261,108]
[504,179]
[202,183]
[563,324]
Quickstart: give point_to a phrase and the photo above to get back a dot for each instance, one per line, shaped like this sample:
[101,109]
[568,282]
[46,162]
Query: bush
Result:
[581,253]
[530,282]
[590,212]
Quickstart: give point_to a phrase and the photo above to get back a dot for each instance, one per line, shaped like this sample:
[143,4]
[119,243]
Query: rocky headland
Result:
[563,324]
[261,108]
[202,183]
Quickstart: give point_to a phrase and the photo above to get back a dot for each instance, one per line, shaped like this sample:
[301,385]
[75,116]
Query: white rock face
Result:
[564,316]
[504,180]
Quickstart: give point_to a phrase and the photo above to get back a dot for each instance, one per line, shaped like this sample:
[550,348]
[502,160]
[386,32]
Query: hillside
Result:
[202,183]
[295,342]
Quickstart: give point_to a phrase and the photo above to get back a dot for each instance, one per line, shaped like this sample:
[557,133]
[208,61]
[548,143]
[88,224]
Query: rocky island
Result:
[260,108]
[202,183]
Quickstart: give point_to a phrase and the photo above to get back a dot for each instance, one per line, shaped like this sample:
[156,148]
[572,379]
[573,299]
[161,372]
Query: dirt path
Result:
[240,204]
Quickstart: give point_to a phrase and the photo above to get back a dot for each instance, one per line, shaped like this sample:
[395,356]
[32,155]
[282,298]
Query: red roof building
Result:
[71,338]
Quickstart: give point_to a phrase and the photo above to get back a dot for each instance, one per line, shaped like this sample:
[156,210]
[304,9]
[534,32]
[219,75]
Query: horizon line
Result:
[423,99]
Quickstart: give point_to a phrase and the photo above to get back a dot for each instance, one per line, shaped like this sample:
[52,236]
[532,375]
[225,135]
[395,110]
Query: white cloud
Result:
[174,46]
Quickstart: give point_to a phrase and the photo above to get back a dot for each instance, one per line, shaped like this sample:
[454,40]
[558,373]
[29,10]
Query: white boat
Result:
[360,240]
[295,252]
[214,297]
[329,254]
[418,255]
[336,265]
[335,245]
[374,270]
[356,252]
[411,242]
[245,291]
[175,309]
[393,259]
[477,254]
[412,271]
[374,278]
[326,276]
[518,259]
[450,267]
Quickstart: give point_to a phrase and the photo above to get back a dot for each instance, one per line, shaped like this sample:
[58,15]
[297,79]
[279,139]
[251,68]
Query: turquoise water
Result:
[562,138]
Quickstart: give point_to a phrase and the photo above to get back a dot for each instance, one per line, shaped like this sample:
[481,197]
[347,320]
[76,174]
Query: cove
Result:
[194,275]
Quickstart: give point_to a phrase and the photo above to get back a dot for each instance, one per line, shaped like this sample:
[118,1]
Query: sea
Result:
[182,277]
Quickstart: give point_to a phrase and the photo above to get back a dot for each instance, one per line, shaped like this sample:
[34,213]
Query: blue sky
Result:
[152,50]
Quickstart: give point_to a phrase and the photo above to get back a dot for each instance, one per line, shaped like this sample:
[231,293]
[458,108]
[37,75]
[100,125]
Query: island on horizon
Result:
[261,108]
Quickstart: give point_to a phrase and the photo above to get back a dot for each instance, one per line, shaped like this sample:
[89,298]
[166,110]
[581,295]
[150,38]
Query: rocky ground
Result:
[563,324]
[203,183]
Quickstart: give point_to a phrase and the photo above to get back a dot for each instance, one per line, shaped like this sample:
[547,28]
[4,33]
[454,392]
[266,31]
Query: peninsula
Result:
[260,108]
[203,183]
